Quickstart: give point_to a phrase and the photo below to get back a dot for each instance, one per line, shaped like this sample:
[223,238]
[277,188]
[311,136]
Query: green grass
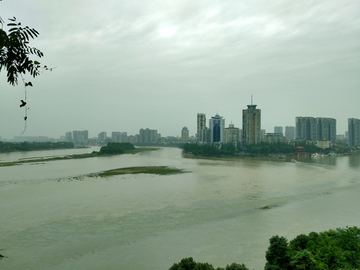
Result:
[158,170]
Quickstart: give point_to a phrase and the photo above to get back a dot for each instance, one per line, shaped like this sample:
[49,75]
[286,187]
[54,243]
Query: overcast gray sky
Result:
[126,65]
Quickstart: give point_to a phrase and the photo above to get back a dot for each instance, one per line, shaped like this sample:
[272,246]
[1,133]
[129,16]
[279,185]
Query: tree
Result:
[277,255]
[184,264]
[236,266]
[15,51]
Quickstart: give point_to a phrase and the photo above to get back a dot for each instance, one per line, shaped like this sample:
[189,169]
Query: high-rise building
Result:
[326,129]
[354,132]
[251,125]
[306,128]
[115,136]
[68,136]
[148,135]
[316,129]
[124,137]
[290,133]
[278,129]
[262,135]
[216,126]
[153,135]
[184,134]
[201,127]
[102,136]
[80,136]
[75,136]
[232,135]
[144,135]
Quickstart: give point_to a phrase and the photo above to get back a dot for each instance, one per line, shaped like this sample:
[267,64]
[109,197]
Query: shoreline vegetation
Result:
[332,249]
[108,150]
[7,147]
[263,151]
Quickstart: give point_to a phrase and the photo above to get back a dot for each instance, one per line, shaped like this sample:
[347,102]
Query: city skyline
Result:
[120,65]
[201,117]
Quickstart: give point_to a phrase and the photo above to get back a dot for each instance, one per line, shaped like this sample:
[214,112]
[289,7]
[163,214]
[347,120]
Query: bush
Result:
[116,148]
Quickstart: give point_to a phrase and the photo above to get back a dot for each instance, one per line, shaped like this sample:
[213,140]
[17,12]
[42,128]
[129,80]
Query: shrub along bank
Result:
[328,250]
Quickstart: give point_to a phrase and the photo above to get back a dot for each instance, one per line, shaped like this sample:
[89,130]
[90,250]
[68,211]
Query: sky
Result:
[125,65]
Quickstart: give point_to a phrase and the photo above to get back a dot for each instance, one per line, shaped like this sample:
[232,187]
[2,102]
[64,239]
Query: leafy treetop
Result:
[15,51]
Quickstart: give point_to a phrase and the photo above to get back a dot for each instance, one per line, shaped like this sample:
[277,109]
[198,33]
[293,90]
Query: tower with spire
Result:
[251,124]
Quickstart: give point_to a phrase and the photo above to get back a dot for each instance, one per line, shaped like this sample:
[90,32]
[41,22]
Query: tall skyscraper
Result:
[326,129]
[184,134]
[290,133]
[201,127]
[278,129]
[216,126]
[354,132]
[251,125]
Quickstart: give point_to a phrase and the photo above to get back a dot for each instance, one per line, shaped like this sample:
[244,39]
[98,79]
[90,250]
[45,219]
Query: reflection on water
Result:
[354,161]
[51,220]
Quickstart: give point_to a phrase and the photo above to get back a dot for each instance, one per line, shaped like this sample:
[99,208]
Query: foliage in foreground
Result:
[328,250]
[15,51]
[190,264]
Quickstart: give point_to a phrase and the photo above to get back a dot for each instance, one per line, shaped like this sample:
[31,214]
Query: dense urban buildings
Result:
[321,130]
[148,136]
[216,127]
[117,136]
[274,137]
[354,132]
[251,125]
[316,129]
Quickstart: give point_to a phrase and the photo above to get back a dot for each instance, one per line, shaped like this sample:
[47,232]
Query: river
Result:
[53,218]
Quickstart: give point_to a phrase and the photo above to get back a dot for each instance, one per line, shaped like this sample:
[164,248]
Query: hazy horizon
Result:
[122,66]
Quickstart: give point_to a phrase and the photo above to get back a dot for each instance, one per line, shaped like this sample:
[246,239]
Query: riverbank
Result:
[77,156]
[8,147]
[269,157]
[274,157]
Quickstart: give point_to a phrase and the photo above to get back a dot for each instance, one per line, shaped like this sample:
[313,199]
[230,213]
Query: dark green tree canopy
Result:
[15,51]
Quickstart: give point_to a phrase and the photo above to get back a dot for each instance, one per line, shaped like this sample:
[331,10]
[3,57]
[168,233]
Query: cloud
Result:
[199,55]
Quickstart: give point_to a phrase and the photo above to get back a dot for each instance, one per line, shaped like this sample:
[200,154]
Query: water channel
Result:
[52,218]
